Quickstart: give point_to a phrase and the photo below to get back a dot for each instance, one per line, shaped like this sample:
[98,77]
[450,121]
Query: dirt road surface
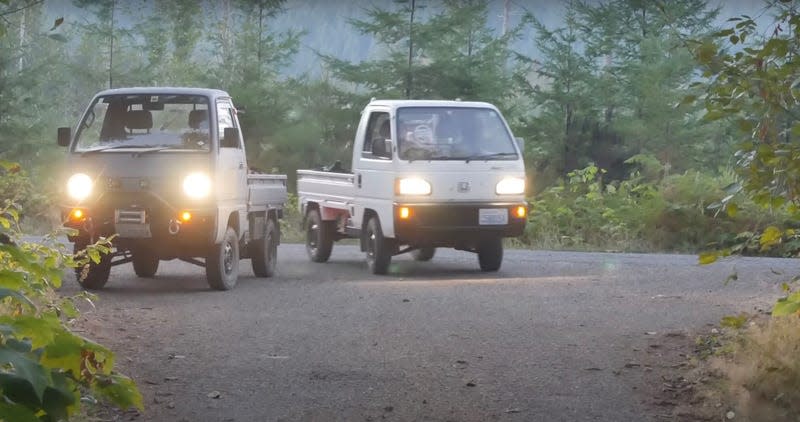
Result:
[553,336]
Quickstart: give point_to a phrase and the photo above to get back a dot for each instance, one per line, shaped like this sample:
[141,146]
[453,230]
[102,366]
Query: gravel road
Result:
[554,336]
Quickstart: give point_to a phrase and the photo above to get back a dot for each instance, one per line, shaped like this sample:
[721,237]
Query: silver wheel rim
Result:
[272,250]
[371,247]
[227,258]
[311,237]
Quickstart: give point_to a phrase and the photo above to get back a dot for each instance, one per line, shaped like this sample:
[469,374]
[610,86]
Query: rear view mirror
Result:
[64,136]
[230,138]
[520,144]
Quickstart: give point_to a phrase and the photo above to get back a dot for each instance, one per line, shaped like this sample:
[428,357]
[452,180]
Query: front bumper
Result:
[145,220]
[455,225]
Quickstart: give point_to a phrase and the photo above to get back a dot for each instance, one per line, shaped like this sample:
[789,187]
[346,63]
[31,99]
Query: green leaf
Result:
[785,307]
[31,371]
[60,397]
[121,390]
[13,412]
[94,255]
[770,236]
[40,331]
[19,297]
[706,258]
[12,280]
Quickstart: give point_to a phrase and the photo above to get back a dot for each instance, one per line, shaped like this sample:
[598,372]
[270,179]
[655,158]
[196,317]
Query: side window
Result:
[378,130]
[225,118]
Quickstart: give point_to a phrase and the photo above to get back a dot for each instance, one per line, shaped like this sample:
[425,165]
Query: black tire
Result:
[92,276]
[319,237]
[379,249]
[423,254]
[222,262]
[264,252]
[145,263]
[490,254]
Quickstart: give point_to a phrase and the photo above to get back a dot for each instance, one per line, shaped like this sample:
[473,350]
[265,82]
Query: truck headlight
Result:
[196,185]
[412,186]
[79,186]
[510,186]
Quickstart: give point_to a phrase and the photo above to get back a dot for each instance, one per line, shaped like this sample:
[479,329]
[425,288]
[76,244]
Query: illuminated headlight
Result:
[510,186]
[79,186]
[197,185]
[413,186]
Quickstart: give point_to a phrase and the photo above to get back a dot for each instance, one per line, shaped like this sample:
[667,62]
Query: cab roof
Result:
[163,90]
[430,103]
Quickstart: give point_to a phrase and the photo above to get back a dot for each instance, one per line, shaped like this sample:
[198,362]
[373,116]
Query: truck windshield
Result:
[453,133]
[157,122]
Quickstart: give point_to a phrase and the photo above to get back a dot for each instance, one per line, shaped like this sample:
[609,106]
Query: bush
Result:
[646,212]
[44,366]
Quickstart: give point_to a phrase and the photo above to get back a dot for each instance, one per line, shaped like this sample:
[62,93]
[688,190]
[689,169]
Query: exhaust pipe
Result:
[174,227]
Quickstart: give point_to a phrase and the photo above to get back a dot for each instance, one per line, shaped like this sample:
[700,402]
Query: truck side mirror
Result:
[230,138]
[520,144]
[64,136]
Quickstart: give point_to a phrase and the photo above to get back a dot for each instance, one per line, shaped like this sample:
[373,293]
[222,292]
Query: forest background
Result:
[618,155]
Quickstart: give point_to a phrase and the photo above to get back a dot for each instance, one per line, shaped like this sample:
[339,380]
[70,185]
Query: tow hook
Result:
[174,227]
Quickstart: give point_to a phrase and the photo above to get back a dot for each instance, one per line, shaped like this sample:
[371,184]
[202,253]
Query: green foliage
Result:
[646,211]
[752,82]
[44,366]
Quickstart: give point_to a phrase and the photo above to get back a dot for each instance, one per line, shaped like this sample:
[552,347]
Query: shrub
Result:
[43,365]
[645,212]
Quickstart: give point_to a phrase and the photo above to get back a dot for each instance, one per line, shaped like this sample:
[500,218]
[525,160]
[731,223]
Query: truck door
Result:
[232,163]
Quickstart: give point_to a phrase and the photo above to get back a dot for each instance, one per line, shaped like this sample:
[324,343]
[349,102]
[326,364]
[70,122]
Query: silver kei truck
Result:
[164,169]
[425,175]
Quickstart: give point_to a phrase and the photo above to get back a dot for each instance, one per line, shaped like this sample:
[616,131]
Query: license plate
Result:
[133,230]
[492,216]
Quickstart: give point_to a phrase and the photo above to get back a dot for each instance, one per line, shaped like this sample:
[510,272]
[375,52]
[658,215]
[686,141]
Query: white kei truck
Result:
[164,169]
[425,174]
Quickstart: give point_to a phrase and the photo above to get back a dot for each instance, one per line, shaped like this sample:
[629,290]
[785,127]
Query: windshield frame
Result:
[505,146]
[117,146]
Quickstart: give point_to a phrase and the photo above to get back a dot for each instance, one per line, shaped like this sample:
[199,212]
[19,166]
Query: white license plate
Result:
[133,230]
[492,216]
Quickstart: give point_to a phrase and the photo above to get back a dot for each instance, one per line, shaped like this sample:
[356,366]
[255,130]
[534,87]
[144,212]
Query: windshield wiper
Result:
[98,149]
[150,149]
[486,157]
[142,149]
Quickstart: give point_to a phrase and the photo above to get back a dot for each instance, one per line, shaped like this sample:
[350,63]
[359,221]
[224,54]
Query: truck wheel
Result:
[265,251]
[379,248]
[92,276]
[423,254]
[145,263]
[222,262]
[319,237]
[490,254]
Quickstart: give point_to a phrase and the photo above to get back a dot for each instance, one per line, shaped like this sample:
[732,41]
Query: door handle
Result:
[241,165]
[358,178]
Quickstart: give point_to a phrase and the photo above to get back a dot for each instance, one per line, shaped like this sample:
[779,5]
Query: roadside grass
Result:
[749,371]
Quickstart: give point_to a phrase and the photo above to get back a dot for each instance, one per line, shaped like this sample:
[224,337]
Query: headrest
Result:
[138,119]
[196,117]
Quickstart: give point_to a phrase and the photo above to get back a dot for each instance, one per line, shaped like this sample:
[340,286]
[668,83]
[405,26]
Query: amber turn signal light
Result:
[77,214]
[186,216]
[405,213]
[520,212]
